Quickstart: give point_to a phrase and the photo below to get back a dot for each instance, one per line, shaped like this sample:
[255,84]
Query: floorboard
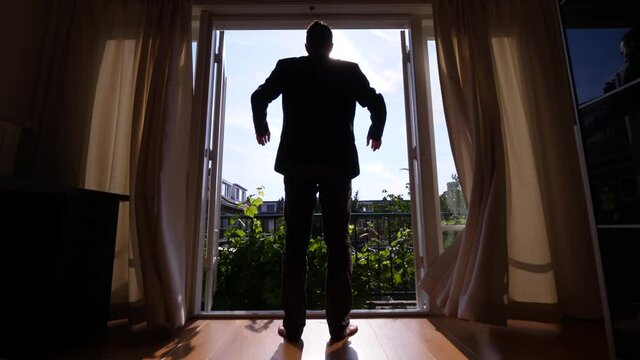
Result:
[377,339]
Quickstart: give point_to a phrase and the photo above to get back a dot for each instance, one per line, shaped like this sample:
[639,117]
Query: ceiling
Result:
[297,14]
[599,13]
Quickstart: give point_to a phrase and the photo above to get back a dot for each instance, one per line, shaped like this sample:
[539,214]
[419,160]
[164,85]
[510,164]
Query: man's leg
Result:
[335,197]
[300,200]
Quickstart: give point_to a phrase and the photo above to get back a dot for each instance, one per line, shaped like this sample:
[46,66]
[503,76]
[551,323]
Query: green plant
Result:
[379,268]
[250,262]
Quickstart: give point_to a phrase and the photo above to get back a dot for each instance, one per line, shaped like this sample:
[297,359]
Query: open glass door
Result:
[425,212]
[215,170]
[210,88]
[412,143]
[425,206]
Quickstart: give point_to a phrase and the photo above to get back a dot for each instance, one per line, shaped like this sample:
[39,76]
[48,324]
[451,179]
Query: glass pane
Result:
[249,271]
[607,92]
[453,208]
[605,67]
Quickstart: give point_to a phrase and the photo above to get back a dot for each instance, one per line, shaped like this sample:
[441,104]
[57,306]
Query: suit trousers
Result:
[300,199]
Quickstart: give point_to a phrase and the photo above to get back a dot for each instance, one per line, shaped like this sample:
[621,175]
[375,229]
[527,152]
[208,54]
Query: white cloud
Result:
[383,79]
[237,40]
[239,119]
[375,177]
[386,35]
[251,60]
[251,166]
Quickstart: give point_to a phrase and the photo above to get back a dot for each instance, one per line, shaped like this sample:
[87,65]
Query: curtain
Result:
[159,173]
[53,146]
[109,150]
[113,113]
[526,251]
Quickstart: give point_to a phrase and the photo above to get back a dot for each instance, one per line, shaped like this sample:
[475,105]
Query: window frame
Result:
[416,21]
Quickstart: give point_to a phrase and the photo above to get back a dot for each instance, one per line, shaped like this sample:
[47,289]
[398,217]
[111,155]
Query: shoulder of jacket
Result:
[344,63]
[291,60]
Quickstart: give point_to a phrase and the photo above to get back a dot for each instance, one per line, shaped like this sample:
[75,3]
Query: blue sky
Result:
[250,58]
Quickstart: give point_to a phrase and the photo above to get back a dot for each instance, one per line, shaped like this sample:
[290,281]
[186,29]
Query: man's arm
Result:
[260,99]
[367,97]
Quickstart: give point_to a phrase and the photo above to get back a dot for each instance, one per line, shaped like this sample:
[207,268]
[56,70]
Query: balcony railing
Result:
[383,266]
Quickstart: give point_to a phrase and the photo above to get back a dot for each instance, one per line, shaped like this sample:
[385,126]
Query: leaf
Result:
[397,279]
[251,211]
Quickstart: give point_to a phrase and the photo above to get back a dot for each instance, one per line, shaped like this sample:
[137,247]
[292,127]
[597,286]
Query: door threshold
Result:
[311,314]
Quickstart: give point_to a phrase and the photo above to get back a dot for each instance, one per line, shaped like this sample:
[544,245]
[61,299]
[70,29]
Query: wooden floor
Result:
[258,339]
[405,338]
[584,340]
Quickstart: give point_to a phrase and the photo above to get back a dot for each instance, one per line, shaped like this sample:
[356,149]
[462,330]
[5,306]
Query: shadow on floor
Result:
[525,339]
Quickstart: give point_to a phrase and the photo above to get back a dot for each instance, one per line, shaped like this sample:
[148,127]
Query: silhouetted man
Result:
[630,72]
[317,154]
[630,50]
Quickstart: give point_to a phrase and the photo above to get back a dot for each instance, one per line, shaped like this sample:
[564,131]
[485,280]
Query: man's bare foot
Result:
[348,332]
[283,334]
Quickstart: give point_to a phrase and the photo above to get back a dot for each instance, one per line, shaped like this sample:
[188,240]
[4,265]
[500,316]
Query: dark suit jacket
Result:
[319,96]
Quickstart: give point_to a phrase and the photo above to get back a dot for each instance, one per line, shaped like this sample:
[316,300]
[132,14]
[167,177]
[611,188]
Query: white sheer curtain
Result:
[113,113]
[108,164]
[160,188]
[526,250]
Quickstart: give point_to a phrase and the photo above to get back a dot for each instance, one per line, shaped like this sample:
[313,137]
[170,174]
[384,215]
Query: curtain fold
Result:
[67,74]
[161,127]
[526,251]
[113,113]
[468,280]
[535,97]
[108,162]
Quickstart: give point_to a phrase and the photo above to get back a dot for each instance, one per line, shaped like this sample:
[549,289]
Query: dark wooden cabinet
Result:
[56,262]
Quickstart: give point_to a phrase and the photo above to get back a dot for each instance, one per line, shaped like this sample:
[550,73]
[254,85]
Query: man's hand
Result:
[375,144]
[264,139]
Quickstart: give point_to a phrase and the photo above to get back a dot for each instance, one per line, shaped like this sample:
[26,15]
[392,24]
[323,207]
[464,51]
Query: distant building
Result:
[231,196]
[452,202]
[272,207]
[270,211]
[365,205]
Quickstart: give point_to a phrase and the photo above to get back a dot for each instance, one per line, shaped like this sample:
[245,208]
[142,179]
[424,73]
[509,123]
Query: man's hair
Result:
[631,36]
[319,34]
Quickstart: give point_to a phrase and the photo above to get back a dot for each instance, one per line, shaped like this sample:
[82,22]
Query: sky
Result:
[251,56]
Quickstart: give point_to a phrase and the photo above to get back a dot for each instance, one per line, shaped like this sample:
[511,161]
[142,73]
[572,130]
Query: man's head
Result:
[319,39]
[630,45]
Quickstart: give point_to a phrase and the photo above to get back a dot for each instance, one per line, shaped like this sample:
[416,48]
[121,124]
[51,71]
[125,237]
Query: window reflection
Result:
[602,44]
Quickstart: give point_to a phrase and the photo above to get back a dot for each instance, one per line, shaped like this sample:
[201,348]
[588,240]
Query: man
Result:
[317,154]
[630,51]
